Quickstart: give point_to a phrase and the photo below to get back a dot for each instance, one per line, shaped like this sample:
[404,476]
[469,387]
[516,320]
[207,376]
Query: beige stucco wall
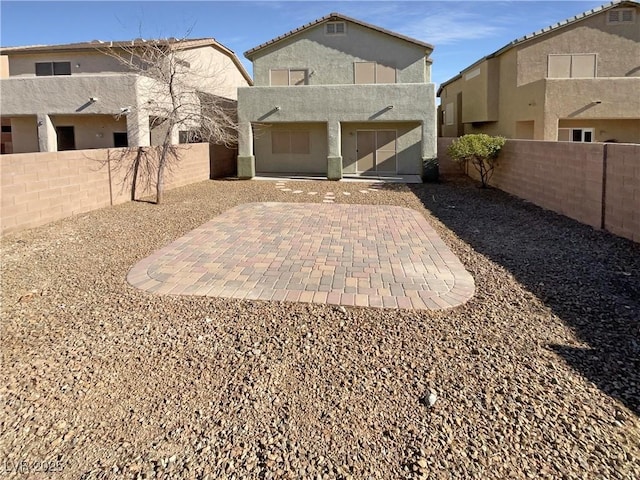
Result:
[68,94]
[447,166]
[483,81]
[622,131]
[526,95]
[38,188]
[575,99]
[213,72]
[339,104]
[617,48]
[569,178]
[92,131]
[622,211]
[24,134]
[331,57]
[4,66]
[408,135]
[314,162]
[82,62]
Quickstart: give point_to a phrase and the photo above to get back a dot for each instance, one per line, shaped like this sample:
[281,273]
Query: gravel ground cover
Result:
[537,376]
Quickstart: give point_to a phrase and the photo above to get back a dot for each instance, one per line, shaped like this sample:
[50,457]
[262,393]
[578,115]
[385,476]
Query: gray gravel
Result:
[536,377]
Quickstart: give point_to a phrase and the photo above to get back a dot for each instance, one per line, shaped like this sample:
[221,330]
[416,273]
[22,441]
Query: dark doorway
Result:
[66,138]
[120,139]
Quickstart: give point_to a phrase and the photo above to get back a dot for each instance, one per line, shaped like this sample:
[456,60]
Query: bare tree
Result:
[178,94]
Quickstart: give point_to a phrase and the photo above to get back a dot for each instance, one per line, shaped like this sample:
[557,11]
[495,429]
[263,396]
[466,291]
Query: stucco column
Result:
[551,123]
[47,137]
[246,159]
[429,149]
[429,140]
[334,147]
[175,135]
[138,129]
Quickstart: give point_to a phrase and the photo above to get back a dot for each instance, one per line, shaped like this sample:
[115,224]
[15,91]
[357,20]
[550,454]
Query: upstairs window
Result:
[335,28]
[44,69]
[581,65]
[620,16]
[288,76]
[372,72]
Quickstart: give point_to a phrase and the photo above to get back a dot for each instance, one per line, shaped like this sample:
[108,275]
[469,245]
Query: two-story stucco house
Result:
[577,80]
[337,96]
[80,96]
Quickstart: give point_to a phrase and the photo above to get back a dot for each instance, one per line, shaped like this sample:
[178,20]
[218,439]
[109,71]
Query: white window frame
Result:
[335,32]
[583,131]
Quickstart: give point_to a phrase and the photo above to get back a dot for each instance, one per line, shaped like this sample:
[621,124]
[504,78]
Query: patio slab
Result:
[355,255]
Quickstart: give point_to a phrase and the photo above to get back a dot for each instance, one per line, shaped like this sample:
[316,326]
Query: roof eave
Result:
[249,54]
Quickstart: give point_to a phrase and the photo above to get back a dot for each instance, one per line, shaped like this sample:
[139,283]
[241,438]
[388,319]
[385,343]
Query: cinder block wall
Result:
[447,165]
[622,207]
[38,188]
[565,177]
[569,178]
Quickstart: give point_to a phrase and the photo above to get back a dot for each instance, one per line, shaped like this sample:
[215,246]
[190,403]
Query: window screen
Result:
[287,141]
[53,68]
[280,77]
[62,68]
[385,74]
[365,72]
[280,142]
[297,77]
[44,69]
[559,66]
[372,72]
[583,66]
[284,76]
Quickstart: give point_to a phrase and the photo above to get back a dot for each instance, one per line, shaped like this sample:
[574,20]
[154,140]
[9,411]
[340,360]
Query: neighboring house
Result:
[337,96]
[78,96]
[578,80]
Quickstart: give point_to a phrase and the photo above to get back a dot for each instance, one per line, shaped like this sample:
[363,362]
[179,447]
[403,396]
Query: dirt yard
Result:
[537,376]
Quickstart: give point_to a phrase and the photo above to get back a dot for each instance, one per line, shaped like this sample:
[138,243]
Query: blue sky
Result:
[462,32]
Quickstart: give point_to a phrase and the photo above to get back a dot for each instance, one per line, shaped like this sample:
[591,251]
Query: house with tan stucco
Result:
[81,96]
[336,97]
[577,80]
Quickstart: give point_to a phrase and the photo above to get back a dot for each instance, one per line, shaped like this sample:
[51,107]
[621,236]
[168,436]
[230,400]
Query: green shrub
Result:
[481,150]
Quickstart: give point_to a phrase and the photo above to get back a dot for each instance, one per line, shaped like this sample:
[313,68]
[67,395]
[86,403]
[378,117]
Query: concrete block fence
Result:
[595,183]
[38,188]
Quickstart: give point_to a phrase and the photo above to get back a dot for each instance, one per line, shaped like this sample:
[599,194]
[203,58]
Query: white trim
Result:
[583,131]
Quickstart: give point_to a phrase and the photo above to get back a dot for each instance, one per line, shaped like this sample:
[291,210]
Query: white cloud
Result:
[446,30]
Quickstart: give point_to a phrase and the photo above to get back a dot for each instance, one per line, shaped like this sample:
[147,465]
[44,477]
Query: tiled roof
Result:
[329,18]
[546,30]
[174,43]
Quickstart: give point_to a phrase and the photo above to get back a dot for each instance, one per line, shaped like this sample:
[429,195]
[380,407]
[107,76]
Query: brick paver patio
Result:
[365,255]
